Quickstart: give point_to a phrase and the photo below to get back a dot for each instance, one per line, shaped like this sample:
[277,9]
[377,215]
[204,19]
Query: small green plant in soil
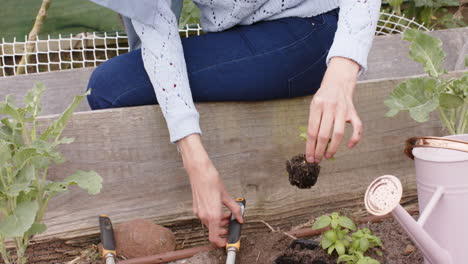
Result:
[301,173]
[25,156]
[421,96]
[350,248]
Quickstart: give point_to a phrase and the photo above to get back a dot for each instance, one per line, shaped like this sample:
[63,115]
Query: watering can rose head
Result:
[25,156]
[421,96]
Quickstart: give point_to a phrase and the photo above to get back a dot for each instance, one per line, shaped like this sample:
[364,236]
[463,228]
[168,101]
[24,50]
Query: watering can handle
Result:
[434,142]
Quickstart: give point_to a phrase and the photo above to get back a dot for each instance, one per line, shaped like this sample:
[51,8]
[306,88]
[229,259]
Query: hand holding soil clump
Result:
[302,173]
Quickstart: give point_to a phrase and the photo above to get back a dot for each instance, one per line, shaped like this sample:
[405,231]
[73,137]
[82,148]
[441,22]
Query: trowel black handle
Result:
[107,236]
[235,228]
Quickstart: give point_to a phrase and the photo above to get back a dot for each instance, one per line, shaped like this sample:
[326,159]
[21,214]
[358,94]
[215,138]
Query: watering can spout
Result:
[383,197]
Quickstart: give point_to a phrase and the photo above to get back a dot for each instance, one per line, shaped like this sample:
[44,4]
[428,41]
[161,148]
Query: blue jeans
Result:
[282,58]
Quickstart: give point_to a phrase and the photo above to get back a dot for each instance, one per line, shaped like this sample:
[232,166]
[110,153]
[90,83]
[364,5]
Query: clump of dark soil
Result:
[302,173]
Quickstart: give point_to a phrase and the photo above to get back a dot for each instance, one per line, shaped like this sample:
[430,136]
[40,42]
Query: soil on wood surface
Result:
[273,248]
[301,173]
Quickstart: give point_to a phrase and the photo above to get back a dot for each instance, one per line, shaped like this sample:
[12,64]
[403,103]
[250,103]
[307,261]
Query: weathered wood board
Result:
[388,59]
[249,144]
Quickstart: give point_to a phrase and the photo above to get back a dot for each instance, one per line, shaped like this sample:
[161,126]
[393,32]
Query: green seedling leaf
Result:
[426,50]
[321,222]
[364,244]
[450,100]
[326,243]
[340,248]
[418,96]
[330,249]
[36,228]
[57,127]
[334,223]
[331,235]
[87,180]
[346,223]
[20,221]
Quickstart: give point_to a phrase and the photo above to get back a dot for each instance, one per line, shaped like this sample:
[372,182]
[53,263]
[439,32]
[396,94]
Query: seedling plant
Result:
[350,248]
[25,157]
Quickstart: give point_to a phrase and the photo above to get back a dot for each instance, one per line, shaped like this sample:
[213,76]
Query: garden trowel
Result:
[107,239]
[233,243]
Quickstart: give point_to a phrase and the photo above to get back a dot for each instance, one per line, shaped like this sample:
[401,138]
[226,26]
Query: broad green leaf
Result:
[330,249]
[325,242]
[340,249]
[56,128]
[87,180]
[346,223]
[418,96]
[450,100]
[321,222]
[36,228]
[17,224]
[5,152]
[364,244]
[346,258]
[56,187]
[331,235]
[426,50]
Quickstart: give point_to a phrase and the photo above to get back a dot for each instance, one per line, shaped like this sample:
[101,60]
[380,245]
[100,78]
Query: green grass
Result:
[65,17]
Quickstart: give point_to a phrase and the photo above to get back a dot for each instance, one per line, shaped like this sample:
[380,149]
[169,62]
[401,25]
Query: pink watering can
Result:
[441,231]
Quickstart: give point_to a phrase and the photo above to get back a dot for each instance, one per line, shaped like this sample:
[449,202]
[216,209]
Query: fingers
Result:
[323,138]
[315,117]
[338,133]
[233,206]
[215,231]
[357,129]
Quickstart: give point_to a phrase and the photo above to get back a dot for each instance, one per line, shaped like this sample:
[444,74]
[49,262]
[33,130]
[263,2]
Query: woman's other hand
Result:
[330,108]
[208,191]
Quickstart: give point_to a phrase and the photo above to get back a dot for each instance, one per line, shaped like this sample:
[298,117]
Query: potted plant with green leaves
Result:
[26,153]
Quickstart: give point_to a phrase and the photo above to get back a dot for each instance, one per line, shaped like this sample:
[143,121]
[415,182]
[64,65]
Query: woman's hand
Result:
[330,108]
[208,191]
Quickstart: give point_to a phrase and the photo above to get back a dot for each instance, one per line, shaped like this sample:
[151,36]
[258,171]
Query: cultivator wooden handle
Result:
[107,239]
[233,243]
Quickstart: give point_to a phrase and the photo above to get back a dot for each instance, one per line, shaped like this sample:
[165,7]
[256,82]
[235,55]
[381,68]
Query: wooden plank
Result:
[249,144]
[388,59]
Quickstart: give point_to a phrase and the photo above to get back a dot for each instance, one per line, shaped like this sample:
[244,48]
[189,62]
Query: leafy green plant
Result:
[421,96]
[357,258]
[25,156]
[363,240]
[337,237]
[350,249]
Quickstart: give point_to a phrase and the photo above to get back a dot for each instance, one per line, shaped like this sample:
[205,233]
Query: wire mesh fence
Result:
[91,49]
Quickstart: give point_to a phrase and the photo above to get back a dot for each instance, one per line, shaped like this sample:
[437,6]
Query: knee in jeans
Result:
[99,84]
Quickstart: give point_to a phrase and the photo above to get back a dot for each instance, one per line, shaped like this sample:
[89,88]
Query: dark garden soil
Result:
[301,173]
[273,248]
